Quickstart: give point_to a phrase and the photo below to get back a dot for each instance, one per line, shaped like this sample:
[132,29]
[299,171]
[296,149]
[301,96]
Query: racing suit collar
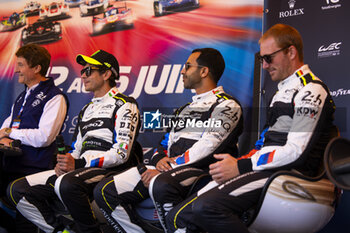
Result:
[112,92]
[302,70]
[205,95]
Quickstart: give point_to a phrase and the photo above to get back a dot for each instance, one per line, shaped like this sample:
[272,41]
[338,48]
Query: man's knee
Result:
[180,217]
[98,196]
[105,194]
[16,190]
[70,184]
[160,188]
[201,208]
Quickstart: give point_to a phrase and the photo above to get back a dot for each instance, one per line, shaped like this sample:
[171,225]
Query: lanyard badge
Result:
[16,122]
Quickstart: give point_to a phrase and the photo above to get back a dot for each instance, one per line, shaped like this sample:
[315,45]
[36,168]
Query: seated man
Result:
[185,152]
[106,130]
[298,127]
[36,118]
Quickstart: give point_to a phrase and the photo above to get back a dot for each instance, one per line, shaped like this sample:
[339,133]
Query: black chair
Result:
[291,202]
[337,162]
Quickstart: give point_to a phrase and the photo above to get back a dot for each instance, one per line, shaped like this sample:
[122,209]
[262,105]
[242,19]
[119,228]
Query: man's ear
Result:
[107,75]
[37,69]
[204,72]
[293,53]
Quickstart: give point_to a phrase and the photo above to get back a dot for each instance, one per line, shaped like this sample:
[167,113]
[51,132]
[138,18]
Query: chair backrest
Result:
[337,168]
[289,203]
[337,162]
[334,132]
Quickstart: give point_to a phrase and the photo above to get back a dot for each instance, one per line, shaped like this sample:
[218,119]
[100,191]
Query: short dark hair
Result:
[112,79]
[35,55]
[212,59]
[284,36]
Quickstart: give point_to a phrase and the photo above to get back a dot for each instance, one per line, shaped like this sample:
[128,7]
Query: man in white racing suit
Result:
[106,130]
[211,123]
[297,131]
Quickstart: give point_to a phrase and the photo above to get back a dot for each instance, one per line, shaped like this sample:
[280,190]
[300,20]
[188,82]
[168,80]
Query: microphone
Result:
[141,168]
[12,150]
[16,143]
[60,145]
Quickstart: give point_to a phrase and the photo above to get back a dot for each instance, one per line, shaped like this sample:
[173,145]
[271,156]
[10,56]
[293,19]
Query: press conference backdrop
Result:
[323,25]
[151,50]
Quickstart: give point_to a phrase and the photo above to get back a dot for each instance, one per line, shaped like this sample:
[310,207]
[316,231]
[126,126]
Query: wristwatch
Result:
[7,131]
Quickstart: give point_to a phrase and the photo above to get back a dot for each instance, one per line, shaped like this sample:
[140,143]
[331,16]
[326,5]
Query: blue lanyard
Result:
[24,102]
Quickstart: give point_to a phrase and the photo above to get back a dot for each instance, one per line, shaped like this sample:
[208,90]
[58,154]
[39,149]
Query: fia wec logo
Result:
[328,51]
[333,46]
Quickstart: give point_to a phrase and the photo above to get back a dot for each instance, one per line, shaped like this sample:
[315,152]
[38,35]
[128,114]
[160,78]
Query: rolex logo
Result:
[291,11]
[291,4]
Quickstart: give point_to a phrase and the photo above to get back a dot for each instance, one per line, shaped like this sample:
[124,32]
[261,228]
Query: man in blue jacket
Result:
[36,117]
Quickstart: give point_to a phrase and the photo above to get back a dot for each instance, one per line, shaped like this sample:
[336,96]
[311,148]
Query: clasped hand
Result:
[225,169]
[162,166]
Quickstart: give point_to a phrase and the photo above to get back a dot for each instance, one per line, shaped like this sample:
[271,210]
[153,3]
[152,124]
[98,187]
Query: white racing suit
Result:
[219,122]
[103,142]
[298,128]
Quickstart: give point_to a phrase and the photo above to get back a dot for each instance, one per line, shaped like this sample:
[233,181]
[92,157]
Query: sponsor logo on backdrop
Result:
[158,120]
[340,92]
[152,120]
[291,4]
[330,50]
[169,81]
[292,10]
[331,4]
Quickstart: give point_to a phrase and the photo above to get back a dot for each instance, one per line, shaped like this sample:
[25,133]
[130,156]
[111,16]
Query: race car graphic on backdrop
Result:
[42,32]
[32,8]
[114,18]
[162,7]
[151,53]
[56,10]
[12,22]
[93,7]
[73,3]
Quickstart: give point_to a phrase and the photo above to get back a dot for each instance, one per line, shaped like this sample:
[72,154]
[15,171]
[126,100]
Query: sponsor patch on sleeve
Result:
[266,158]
